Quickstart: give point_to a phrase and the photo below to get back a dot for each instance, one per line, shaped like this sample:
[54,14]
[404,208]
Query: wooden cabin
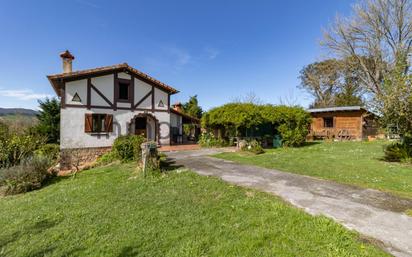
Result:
[343,123]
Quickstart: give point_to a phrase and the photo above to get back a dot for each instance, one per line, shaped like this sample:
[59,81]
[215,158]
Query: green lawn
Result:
[356,163]
[102,212]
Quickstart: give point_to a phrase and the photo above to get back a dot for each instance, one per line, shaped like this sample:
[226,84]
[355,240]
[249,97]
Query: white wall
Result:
[72,119]
[123,75]
[79,87]
[160,96]
[105,85]
[141,89]
[72,133]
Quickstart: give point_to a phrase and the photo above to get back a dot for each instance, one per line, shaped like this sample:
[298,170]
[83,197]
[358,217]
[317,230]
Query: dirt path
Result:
[370,212]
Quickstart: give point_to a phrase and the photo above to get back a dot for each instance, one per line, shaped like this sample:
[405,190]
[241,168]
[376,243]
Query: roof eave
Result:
[114,68]
[55,86]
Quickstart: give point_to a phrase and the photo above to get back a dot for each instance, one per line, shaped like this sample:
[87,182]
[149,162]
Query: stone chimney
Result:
[178,107]
[67,58]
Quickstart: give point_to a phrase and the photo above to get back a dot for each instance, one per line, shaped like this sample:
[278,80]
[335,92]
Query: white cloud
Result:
[23,94]
[211,52]
[180,56]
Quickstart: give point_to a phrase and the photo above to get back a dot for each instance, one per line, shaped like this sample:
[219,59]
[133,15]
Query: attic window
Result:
[124,91]
[160,104]
[76,98]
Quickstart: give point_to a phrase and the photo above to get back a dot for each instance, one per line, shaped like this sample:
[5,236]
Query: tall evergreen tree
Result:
[192,107]
[49,119]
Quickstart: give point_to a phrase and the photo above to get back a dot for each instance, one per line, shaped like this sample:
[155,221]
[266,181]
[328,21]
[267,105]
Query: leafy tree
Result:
[332,82]
[192,107]
[49,120]
[320,80]
[396,100]
[378,29]
[378,38]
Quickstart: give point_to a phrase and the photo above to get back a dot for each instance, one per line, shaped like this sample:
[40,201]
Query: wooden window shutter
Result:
[108,123]
[88,121]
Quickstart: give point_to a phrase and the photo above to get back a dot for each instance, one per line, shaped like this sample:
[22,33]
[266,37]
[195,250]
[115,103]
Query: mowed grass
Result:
[102,212]
[355,163]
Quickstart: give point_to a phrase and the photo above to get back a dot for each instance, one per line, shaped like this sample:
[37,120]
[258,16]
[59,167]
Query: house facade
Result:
[98,105]
[342,123]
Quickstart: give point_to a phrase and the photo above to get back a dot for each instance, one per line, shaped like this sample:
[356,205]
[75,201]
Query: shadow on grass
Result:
[169,164]
[55,180]
[306,144]
[128,251]
[311,143]
[36,228]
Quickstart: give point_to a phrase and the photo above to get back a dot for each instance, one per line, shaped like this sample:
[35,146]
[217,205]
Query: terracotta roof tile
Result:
[56,78]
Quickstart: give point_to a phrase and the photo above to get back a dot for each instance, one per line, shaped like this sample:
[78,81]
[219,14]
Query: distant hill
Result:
[17,111]
[18,119]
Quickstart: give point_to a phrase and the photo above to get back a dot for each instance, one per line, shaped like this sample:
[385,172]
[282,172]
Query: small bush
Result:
[17,147]
[397,152]
[127,148]
[252,146]
[208,139]
[107,158]
[50,151]
[29,175]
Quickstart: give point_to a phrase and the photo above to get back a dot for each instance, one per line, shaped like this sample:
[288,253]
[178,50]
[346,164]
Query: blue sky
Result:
[219,50]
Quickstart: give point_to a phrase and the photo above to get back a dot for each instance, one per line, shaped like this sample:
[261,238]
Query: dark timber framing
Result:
[89,93]
[153,99]
[115,91]
[168,103]
[131,91]
[141,100]
[113,105]
[63,97]
[102,95]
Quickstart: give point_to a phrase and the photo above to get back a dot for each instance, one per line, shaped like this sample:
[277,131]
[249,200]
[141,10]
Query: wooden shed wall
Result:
[349,121]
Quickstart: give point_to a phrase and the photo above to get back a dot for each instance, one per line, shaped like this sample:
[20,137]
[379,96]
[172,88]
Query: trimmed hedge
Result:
[291,123]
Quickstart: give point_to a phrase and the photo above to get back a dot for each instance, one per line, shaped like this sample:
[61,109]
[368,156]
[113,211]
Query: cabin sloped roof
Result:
[337,109]
[57,79]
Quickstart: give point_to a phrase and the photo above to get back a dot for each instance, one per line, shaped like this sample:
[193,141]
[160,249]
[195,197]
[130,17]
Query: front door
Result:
[140,126]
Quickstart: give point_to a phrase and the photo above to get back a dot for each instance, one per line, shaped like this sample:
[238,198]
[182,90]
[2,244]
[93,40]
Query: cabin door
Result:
[140,126]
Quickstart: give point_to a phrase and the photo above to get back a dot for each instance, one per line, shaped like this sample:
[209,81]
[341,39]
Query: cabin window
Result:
[328,122]
[98,123]
[124,91]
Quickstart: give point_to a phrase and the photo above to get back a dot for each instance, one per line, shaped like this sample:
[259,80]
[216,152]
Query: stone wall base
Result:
[78,157]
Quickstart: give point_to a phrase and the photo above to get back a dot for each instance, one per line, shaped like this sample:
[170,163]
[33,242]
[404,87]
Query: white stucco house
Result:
[98,105]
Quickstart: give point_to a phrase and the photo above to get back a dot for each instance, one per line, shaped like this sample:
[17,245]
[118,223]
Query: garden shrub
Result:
[29,175]
[238,118]
[16,147]
[50,151]
[208,139]
[127,148]
[107,158]
[252,146]
[399,151]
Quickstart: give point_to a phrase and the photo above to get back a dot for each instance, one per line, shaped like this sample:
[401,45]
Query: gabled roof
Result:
[57,79]
[337,109]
